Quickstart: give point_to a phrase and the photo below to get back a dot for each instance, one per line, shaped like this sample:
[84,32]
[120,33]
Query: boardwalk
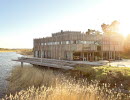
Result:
[47,62]
[62,64]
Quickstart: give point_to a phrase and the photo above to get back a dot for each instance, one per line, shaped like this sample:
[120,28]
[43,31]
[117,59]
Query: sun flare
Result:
[124,29]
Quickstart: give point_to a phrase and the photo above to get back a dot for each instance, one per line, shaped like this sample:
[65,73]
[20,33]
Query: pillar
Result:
[90,57]
[71,55]
[83,56]
[119,56]
[93,56]
[102,55]
[21,64]
[41,54]
[112,55]
[109,55]
[87,56]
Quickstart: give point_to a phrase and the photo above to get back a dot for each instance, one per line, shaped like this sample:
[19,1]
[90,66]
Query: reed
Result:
[40,84]
[24,77]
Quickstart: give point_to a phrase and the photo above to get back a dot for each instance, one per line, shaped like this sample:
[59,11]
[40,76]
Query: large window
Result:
[69,42]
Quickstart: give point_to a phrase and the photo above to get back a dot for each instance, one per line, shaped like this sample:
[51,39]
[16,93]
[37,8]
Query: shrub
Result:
[106,74]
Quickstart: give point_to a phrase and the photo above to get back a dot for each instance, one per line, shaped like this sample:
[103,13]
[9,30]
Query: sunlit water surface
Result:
[6,65]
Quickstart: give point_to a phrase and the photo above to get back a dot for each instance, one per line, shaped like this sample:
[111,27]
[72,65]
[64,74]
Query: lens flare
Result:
[124,29]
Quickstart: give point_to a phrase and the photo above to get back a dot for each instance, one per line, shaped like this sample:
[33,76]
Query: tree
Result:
[113,28]
[105,28]
[90,31]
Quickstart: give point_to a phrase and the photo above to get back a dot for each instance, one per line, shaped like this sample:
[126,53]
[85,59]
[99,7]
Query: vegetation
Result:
[125,54]
[8,50]
[25,51]
[90,31]
[21,51]
[27,76]
[113,28]
[33,83]
[115,76]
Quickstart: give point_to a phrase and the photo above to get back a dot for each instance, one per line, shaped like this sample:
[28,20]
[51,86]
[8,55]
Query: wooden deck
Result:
[54,63]
[62,64]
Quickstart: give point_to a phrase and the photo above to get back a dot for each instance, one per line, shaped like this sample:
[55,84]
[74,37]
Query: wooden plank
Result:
[46,62]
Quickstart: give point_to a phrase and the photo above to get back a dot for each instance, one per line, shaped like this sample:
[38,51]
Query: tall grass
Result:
[25,51]
[24,77]
[107,74]
[65,91]
[32,83]
[21,51]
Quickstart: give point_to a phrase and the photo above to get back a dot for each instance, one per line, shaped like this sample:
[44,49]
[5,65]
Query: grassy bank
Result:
[20,51]
[115,76]
[25,51]
[33,83]
[8,50]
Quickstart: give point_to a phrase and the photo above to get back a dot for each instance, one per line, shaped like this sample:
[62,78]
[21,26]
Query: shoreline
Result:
[8,51]
[19,51]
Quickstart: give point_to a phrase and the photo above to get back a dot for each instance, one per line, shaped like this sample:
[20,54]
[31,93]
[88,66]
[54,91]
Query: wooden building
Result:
[74,45]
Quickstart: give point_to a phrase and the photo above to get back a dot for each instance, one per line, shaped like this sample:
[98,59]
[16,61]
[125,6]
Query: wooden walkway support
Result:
[21,64]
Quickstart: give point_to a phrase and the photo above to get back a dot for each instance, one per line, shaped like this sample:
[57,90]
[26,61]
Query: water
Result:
[6,65]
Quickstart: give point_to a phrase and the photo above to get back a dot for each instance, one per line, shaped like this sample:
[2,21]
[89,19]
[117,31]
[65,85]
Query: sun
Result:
[124,29]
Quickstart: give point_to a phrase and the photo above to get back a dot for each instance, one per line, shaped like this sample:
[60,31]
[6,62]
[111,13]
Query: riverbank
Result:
[43,84]
[114,76]
[28,52]
[90,70]
[20,51]
[6,65]
[8,50]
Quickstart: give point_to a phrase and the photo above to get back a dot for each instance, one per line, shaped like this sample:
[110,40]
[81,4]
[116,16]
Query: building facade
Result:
[74,45]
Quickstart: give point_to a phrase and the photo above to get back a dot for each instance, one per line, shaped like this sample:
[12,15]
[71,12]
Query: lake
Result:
[6,65]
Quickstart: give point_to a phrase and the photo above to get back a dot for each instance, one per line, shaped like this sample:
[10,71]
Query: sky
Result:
[23,20]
